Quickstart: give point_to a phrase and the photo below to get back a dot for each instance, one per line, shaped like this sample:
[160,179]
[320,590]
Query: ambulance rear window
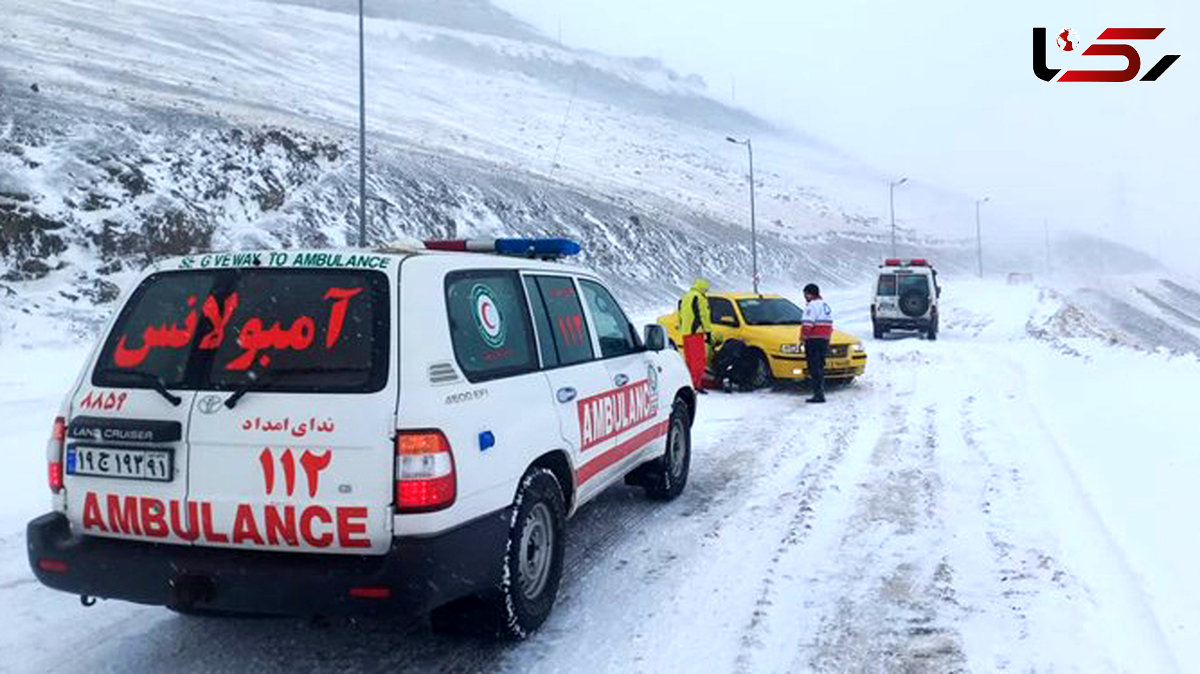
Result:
[887,285]
[294,330]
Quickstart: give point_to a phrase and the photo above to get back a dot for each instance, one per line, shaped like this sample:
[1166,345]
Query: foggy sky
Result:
[944,93]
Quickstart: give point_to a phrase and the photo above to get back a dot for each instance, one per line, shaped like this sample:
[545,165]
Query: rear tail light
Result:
[425,478]
[52,565]
[55,476]
[58,436]
[371,592]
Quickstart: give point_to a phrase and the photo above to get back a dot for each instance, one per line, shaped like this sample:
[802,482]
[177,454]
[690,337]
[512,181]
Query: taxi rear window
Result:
[295,330]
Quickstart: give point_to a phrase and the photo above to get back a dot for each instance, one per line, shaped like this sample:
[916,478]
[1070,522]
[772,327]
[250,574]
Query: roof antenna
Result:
[362,134]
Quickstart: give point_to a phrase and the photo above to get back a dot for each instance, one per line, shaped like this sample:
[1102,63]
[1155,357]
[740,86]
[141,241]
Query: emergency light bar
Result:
[897,262]
[539,248]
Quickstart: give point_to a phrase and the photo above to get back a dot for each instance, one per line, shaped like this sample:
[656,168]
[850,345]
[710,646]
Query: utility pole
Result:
[892,207]
[979,233]
[362,134]
[753,225]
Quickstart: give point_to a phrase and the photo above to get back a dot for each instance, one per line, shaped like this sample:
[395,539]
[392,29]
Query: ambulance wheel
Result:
[534,560]
[877,330]
[667,475]
[933,332]
[760,376]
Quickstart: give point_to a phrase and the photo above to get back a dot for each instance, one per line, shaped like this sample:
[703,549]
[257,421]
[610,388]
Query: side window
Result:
[722,311]
[572,341]
[616,334]
[489,324]
[541,319]
[887,285]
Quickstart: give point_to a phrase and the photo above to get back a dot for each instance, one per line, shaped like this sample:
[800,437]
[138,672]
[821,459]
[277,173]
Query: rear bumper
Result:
[419,574]
[904,323]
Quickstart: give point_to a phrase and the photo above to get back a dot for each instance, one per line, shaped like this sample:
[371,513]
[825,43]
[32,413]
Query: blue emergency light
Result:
[538,248]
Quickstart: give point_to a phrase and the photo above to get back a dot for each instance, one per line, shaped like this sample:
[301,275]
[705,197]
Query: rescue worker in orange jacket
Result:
[695,325]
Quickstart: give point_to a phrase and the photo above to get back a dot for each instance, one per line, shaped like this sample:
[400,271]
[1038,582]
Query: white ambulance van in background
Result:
[321,433]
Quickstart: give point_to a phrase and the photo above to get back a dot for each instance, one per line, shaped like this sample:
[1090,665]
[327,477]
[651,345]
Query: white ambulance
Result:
[332,432]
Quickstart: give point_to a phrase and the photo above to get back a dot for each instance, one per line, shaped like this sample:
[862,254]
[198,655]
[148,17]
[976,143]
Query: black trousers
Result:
[816,350]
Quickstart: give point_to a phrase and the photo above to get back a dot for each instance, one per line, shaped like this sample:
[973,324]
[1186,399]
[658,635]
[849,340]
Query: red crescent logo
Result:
[485,312]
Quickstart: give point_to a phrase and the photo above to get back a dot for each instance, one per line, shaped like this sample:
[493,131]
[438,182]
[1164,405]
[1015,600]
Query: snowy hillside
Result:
[131,130]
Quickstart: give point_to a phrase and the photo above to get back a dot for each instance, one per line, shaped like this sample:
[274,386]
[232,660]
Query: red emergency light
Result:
[897,262]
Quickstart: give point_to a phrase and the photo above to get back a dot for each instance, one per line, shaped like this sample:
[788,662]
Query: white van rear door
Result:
[126,455]
[291,439]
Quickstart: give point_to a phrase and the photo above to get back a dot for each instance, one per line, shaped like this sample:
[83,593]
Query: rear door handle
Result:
[621,380]
[566,394]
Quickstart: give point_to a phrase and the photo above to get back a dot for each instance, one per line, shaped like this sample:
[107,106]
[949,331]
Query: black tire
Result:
[932,334]
[666,476]
[914,303]
[536,536]
[760,376]
[877,330]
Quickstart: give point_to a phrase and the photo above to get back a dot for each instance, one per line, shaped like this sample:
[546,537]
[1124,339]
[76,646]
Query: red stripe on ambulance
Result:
[268,525]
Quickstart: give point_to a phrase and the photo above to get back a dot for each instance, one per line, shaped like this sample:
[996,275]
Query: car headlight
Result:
[857,347]
[792,348]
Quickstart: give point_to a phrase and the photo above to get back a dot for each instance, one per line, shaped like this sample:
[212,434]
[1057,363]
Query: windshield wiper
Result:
[253,382]
[156,382]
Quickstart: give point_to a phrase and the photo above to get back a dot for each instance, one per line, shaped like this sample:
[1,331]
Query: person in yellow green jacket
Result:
[695,325]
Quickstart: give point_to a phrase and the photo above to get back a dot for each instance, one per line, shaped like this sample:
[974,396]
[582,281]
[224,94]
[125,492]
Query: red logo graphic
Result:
[312,465]
[1067,42]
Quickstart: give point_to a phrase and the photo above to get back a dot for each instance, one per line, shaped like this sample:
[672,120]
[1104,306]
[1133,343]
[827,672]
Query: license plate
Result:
[129,464]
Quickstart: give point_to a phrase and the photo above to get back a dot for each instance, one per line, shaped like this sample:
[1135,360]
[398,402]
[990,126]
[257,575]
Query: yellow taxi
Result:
[770,326]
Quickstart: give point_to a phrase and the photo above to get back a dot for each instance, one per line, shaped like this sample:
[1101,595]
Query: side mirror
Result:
[655,337]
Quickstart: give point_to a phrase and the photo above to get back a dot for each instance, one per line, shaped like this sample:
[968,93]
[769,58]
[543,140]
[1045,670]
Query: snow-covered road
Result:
[979,502]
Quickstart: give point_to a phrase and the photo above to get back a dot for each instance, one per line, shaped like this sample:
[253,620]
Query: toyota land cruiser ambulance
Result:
[320,433]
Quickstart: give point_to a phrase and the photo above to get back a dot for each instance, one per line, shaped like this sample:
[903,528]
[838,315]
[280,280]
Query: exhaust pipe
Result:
[87,600]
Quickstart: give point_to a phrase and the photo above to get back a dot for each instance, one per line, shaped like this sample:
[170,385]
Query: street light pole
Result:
[979,233]
[753,224]
[362,134]
[892,207]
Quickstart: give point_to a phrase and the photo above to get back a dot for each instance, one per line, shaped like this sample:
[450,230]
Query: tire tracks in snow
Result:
[851,585]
